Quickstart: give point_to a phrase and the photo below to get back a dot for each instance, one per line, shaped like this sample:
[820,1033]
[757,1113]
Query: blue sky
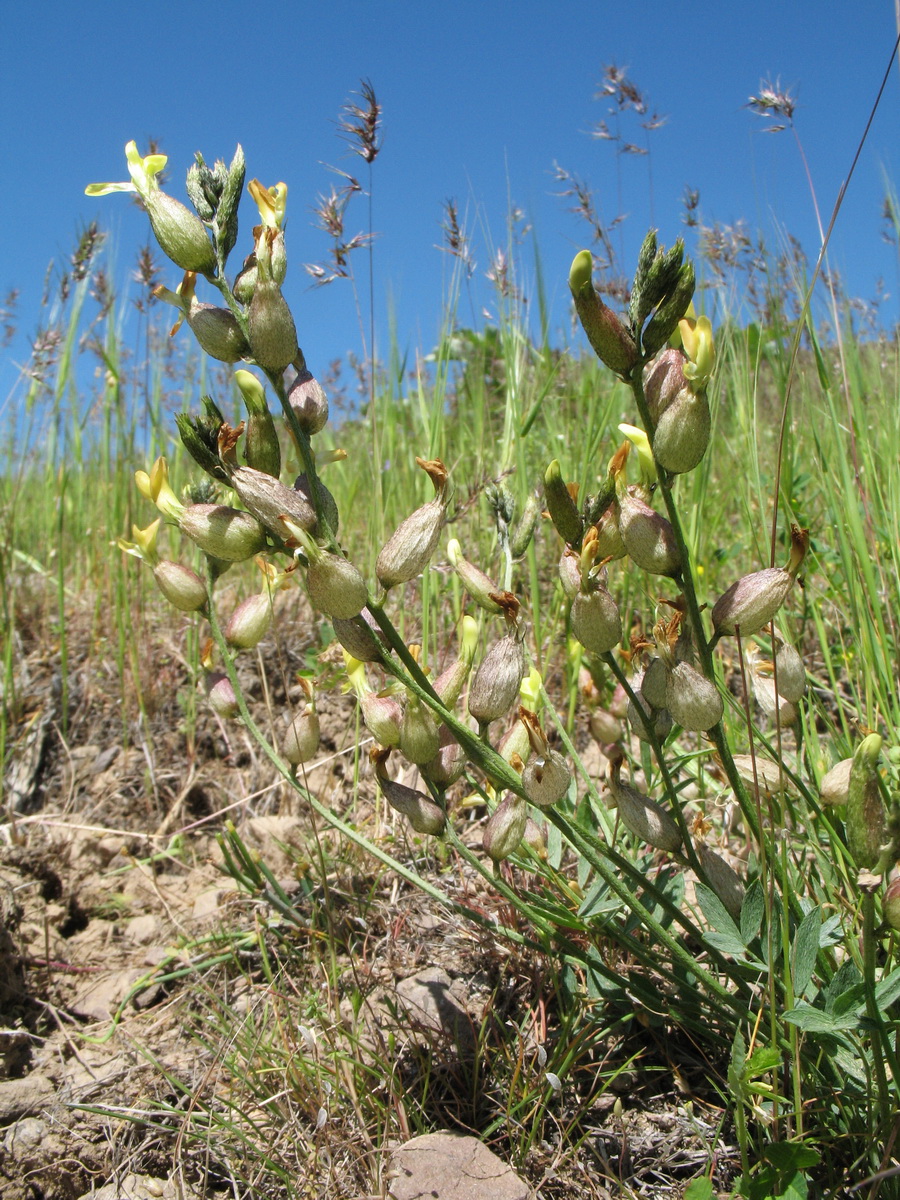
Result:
[480,100]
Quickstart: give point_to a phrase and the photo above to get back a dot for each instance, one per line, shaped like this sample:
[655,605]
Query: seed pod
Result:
[570,573]
[180,233]
[663,380]
[693,700]
[420,810]
[660,718]
[648,537]
[546,779]
[245,282]
[419,732]
[250,622]
[180,585]
[300,740]
[358,637]
[835,787]
[534,838]
[654,682]
[220,694]
[451,681]
[273,336]
[222,532]
[866,820]
[771,778]
[448,764]
[262,450]
[605,728]
[643,816]
[335,586]
[595,620]
[481,587]
[610,340]
[270,500]
[514,745]
[382,716]
[327,501]
[723,879]
[609,535]
[307,398]
[790,673]
[505,827]
[776,708]
[682,432]
[495,688]
[522,533]
[753,600]
[409,548]
[217,332]
[890,905]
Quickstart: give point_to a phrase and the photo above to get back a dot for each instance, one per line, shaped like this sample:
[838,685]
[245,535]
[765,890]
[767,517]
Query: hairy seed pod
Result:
[335,586]
[546,779]
[270,500]
[570,574]
[866,819]
[420,810]
[220,694]
[693,700]
[273,336]
[300,740]
[181,586]
[648,537]
[605,728]
[217,332]
[448,764]
[308,400]
[660,718]
[562,508]
[770,777]
[682,432]
[663,380]
[752,601]
[642,816]
[505,827]
[250,622]
[358,637]
[653,683]
[382,716]
[180,233]
[723,879]
[262,450]
[835,787]
[222,532]
[534,839]
[790,673]
[419,732]
[410,547]
[495,688]
[595,620]
[327,502]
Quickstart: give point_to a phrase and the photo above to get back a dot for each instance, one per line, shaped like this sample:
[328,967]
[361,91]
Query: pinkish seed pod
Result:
[753,600]
[692,699]
[648,537]
[505,827]
[723,879]
[222,532]
[682,432]
[546,779]
[835,787]
[420,810]
[595,620]
[642,816]
[357,636]
[308,400]
[300,740]
[220,694]
[270,500]
[605,728]
[382,716]
[448,764]
[663,380]
[335,586]
[495,688]
[250,622]
[180,585]
[273,336]
[408,550]
[570,573]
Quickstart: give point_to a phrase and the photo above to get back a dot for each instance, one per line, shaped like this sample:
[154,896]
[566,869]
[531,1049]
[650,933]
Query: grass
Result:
[603,964]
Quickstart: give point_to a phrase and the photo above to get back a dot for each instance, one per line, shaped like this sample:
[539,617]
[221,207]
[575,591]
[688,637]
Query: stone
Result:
[427,1000]
[450,1166]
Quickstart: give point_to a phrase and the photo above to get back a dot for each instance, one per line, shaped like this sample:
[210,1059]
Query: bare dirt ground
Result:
[124,945]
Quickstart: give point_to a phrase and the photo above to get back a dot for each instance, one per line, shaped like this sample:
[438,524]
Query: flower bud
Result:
[300,740]
[250,622]
[335,586]
[546,778]
[408,550]
[495,688]
[835,787]
[692,699]
[505,827]
[307,398]
[753,600]
[273,336]
[866,820]
[595,619]
[610,340]
[222,532]
[561,506]
[220,694]
[723,879]
[642,816]
[262,450]
[180,585]
[522,533]
[358,637]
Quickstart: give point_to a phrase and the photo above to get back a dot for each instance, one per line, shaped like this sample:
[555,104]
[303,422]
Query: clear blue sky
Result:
[480,99]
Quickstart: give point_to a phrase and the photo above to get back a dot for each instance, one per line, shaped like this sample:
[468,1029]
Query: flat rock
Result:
[427,999]
[450,1166]
[24,1097]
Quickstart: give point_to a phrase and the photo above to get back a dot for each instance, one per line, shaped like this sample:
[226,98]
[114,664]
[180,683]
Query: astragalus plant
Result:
[771,959]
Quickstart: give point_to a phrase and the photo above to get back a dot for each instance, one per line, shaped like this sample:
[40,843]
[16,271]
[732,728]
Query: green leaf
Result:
[766,1058]
[790,1156]
[804,951]
[888,990]
[717,914]
[699,1189]
[726,943]
[738,1062]
[752,912]
[814,1020]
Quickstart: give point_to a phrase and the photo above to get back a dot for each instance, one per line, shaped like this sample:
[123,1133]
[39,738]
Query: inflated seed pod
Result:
[327,501]
[223,532]
[273,336]
[270,500]
[682,432]
[220,694]
[752,601]
[382,716]
[648,537]
[358,637]
[546,778]
[570,573]
[866,818]
[723,879]
[642,816]
[181,586]
[595,619]
[653,683]
[605,728]
[448,764]
[771,779]
[693,700]
[505,827]
[663,380]
[480,586]
[419,732]
[890,905]
[300,740]
[307,398]
[790,673]
[835,787]
[250,622]
[495,687]
[217,331]
[661,718]
[409,548]
[420,810]
[335,586]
